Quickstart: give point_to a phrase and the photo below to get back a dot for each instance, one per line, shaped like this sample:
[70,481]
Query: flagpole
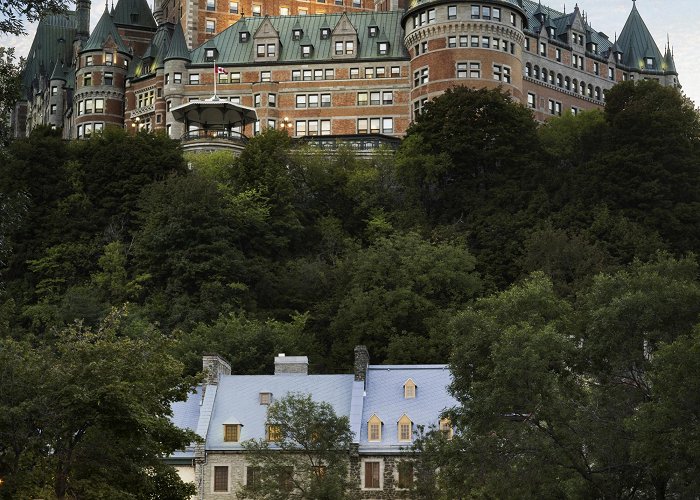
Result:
[216,77]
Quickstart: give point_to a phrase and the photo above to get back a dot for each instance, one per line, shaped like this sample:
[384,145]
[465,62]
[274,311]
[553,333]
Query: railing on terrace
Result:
[358,143]
[204,134]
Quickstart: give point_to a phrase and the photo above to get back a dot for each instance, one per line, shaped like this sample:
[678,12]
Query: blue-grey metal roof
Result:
[186,416]
[231,51]
[385,398]
[238,402]
[52,43]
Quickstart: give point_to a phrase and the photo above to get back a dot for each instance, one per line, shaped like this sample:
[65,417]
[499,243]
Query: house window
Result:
[257,10]
[87,79]
[325,33]
[306,51]
[301,101]
[232,433]
[303,11]
[265,76]
[349,47]
[296,34]
[338,48]
[233,7]
[611,73]
[253,476]
[235,77]
[405,429]
[596,68]
[272,100]
[313,100]
[362,98]
[383,48]
[380,72]
[354,73]
[80,131]
[451,42]
[513,19]
[451,12]
[296,75]
[475,12]
[256,101]
[109,78]
[388,98]
[177,77]
[284,11]
[244,36]
[431,15]
[369,73]
[88,106]
[445,424]
[271,50]
[395,71]
[551,107]
[325,100]
[109,58]
[99,105]
[307,75]
[486,12]
[273,432]
[325,127]
[372,31]
[405,475]
[221,478]
[53,109]
[54,90]
[543,49]
[88,60]
[496,14]
[211,4]
[372,477]
[557,54]
[409,389]
[194,79]
[210,27]
[301,127]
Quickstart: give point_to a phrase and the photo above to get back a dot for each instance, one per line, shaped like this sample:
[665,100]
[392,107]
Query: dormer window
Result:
[374,429]
[649,61]
[273,433]
[372,31]
[594,48]
[405,429]
[134,17]
[383,48]
[244,36]
[446,427]
[306,51]
[409,389]
[551,32]
[265,398]
[209,55]
[232,433]
[297,34]
[325,33]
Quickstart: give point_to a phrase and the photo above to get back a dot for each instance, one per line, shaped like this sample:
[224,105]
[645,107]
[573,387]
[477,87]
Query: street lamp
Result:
[286,125]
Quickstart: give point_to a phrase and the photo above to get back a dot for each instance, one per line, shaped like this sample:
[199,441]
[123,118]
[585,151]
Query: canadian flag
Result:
[220,71]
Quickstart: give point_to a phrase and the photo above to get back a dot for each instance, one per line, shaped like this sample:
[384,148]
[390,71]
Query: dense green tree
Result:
[310,458]
[10,88]
[88,416]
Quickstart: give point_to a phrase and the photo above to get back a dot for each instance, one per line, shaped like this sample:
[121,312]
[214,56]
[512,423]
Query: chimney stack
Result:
[214,366]
[291,365]
[361,363]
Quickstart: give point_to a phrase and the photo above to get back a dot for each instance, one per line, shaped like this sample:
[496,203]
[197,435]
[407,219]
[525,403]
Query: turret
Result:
[175,70]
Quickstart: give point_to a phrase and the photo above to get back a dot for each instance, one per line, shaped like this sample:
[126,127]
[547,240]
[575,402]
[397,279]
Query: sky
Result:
[675,18]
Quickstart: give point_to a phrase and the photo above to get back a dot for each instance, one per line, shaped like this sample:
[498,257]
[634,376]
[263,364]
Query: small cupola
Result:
[211,53]
[325,30]
[383,45]
[297,31]
[307,48]
[372,28]
[243,31]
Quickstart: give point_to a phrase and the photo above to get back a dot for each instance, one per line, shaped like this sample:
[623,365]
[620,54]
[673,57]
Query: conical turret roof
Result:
[134,13]
[59,72]
[178,46]
[105,30]
[635,41]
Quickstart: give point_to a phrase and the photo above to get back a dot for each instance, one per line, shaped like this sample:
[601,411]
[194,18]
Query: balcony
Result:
[362,144]
[213,140]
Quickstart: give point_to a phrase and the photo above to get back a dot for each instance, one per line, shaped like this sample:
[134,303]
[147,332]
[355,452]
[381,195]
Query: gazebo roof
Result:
[214,112]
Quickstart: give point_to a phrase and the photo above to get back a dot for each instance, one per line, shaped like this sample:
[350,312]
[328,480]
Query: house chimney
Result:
[291,365]
[361,363]
[214,366]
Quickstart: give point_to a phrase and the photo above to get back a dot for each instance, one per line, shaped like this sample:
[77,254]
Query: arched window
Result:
[536,72]
[528,70]
[560,79]
[582,88]
[551,77]
[597,93]
[544,74]
[567,83]
[590,90]
[574,85]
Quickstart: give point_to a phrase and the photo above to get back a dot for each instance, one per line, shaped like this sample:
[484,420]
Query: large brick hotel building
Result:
[320,67]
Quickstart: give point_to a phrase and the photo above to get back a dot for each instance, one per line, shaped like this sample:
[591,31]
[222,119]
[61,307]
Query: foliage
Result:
[10,85]
[88,416]
[310,460]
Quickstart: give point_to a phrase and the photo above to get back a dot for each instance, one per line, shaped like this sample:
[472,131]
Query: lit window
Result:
[274,432]
[109,58]
[244,36]
[232,433]
[383,48]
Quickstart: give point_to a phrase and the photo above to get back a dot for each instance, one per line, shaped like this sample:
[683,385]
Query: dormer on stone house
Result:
[383,45]
[409,389]
[307,48]
[372,28]
[576,35]
[297,31]
[346,43]
[267,42]
[211,52]
[243,31]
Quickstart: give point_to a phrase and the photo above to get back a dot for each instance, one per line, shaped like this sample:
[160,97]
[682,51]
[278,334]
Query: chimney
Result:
[291,365]
[361,363]
[214,366]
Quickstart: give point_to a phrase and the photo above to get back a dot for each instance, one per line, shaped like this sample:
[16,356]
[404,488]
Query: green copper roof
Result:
[636,42]
[178,46]
[52,43]
[59,72]
[134,13]
[231,51]
[105,30]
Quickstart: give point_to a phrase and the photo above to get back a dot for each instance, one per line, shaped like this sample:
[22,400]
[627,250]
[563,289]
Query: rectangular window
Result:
[53,109]
[474,41]
[325,127]
[301,127]
[388,98]
[307,75]
[375,98]
[88,60]
[257,10]
[312,127]
[496,43]
[374,434]
[338,48]
[260,50]
[527,44]
[109,78]
[325,100]
[362,125]
[221,478]
[557,54]
[611,73]
[88,106]
[475,12]
[256,100]
[497,72]
[551,107]
[99,105]
[194,79]
[463,41]
[296,75]
[252,477]
[596,68]
[271,50]
[513,19]
[210,26]
[329,74]
[54,90]
[318,74]
[431,15]
[265,76]
[380,72]
[383,48]
[272,100]
[349,47]
[274,432]
[362,98]
[211,4]
[496,12]
[531,100]
[462,70]
[372,475]
[301,101]
[354,73]
[369,73]
[387,125]
[87,79]
[313,101]
[405,475]
[485,42]
[109,58]
[543,49]
[235,77]
[177,77]
[486,12]
[231,433]
[506,74]
[284,11]
[233,7]
[451,41]
[451,12]
[395,71]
